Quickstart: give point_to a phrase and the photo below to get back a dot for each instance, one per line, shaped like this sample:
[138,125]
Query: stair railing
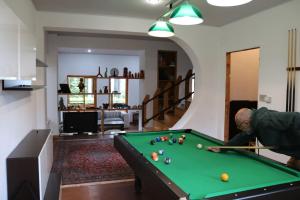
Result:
[164,105]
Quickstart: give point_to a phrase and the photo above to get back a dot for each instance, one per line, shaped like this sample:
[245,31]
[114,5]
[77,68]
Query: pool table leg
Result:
[138,185]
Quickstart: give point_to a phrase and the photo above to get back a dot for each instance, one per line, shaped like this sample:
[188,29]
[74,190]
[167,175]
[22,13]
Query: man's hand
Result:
[216,150]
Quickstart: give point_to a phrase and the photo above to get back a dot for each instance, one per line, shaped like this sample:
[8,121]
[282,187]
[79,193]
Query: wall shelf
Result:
[21,87]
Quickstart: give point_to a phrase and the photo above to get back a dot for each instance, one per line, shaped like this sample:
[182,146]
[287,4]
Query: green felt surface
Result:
[197,171]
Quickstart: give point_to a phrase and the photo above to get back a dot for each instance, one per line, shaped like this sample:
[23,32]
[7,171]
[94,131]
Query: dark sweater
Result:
[272,128]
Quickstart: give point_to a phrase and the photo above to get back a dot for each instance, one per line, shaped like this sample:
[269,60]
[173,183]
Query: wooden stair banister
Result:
[144,108]
[159,113]
[156,102]
[177,87]
[166,99]
[187,82]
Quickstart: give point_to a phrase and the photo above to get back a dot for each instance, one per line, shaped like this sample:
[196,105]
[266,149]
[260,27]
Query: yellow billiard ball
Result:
[224,177]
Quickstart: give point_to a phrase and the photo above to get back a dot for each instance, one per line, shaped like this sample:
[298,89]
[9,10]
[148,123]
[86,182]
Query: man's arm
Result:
[240,139]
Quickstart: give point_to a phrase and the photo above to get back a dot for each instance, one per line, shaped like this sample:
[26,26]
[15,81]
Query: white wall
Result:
[17,118]
[18,109]
[148,62]
[206,47]
[269,31]
[244,75]
[87,64]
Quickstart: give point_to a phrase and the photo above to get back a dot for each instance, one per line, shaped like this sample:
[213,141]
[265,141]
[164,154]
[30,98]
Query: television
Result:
[80,122]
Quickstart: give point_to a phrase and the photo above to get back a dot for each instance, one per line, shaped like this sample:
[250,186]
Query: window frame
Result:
[94,78]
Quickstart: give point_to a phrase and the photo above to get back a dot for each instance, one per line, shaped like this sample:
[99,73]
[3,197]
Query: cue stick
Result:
[291,69]
[294,70]
[288,72]
[241,147]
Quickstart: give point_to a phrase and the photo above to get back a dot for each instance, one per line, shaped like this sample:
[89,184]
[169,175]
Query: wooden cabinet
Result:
[167,74]
[29,166]
[9,31]
[27,54]
[17,49]
[167,67]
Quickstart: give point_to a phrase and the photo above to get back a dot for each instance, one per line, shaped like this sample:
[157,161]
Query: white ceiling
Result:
[213,16]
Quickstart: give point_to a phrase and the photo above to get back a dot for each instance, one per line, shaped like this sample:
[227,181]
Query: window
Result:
[119,85]
[87,94]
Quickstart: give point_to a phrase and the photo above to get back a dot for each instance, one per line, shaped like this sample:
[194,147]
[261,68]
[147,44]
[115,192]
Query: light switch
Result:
[265,98]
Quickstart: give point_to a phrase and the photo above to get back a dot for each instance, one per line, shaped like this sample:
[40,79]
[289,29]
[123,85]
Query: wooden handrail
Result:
[165,90]
[165,109]
[164,93]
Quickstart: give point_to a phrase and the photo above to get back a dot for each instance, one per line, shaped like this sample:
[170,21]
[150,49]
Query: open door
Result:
[242,70]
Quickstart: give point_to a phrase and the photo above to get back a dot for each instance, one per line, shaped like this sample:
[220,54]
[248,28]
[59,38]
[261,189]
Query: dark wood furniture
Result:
[167,74]
[29,166]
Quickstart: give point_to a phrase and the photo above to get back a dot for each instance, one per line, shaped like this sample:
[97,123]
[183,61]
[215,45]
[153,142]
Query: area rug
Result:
[84,161]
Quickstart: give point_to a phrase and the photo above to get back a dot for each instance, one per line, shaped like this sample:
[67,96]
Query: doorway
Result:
[242,72]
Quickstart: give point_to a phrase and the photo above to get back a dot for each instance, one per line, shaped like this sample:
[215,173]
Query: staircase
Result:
[165,104]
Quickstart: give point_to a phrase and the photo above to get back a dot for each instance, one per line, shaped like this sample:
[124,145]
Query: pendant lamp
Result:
[186,14]
[161,28]
[227,3]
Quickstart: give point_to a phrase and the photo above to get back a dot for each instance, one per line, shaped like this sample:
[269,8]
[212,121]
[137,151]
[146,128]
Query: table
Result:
[195,173]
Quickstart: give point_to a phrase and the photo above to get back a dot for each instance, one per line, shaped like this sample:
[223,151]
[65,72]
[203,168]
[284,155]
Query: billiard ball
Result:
[161,152]
[157,139]
[167,160]
[183,137]
[170,142]
[166,138]
[155,158]
[199,146]
[154,154]
[174,140]
[152,142]
[180,141]
[224,177]
[162,138]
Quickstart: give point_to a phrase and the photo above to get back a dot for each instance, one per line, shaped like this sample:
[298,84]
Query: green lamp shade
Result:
[161,29]
[227,3]
[186,14]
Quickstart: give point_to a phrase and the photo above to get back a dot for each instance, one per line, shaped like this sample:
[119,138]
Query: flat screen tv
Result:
[80,122]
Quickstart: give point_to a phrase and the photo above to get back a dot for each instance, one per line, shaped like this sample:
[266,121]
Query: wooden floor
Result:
[100,191]
[116,190]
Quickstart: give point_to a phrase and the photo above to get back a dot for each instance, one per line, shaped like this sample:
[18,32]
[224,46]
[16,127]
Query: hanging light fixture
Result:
[227,3]
[154,2]
[161,28]
[186,14]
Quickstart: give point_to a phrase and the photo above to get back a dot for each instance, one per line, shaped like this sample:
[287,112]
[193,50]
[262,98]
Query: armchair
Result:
[115,119]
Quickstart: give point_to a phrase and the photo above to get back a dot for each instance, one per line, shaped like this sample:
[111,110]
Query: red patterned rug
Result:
[83,161]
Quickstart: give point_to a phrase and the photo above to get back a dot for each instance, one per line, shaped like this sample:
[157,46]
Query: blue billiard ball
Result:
[167,160]
[157,139]
[174,140]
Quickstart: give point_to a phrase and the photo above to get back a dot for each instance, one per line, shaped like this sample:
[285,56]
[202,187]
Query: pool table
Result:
[195,173]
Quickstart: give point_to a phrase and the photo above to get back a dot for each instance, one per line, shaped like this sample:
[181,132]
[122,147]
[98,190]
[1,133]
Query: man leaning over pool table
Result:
[280,130]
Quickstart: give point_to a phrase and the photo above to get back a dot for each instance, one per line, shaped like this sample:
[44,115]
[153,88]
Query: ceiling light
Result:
[227,3]
[154,2]
[161,28]
[89,51]
[186,14]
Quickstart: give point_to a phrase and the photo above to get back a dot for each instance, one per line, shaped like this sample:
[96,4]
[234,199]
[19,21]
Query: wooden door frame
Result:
[227,90]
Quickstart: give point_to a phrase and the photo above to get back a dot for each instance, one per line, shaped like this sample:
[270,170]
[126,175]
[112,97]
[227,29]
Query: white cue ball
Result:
[199,146]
